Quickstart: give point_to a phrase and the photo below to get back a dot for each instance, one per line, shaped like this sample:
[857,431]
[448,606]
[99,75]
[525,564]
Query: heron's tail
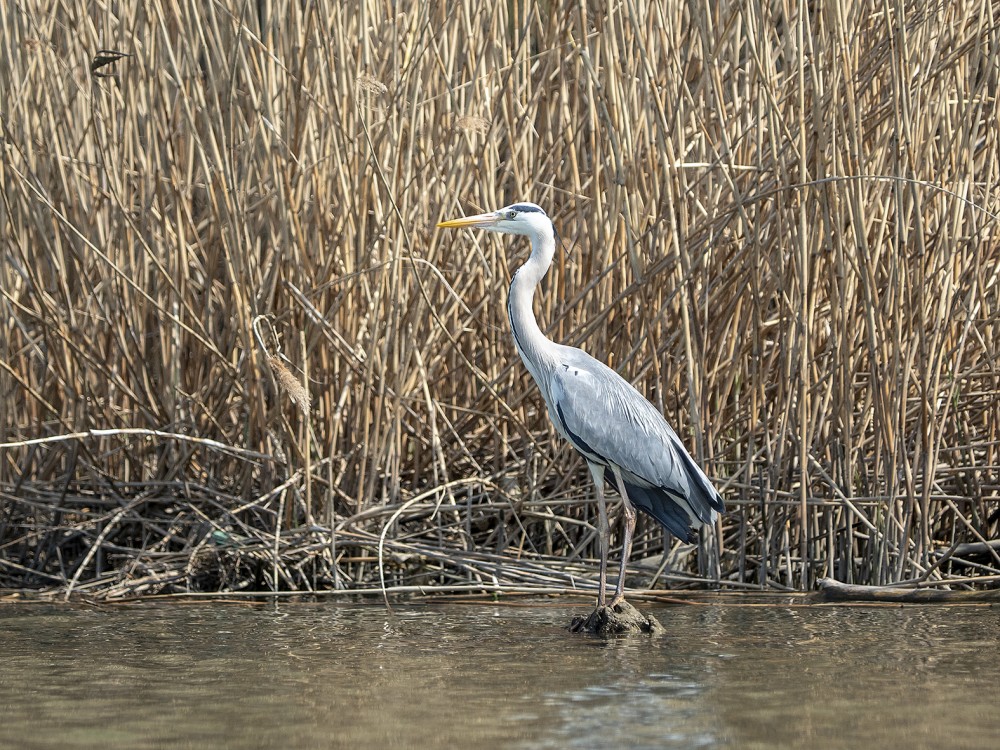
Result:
[680,516]
[665,509]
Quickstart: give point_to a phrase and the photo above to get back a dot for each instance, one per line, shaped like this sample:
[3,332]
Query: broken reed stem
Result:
[780,224]
[306,429]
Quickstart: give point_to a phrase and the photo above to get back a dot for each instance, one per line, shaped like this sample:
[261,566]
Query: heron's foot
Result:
[616,600]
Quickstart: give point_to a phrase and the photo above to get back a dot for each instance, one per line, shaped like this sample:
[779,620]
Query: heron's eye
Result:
[511,214]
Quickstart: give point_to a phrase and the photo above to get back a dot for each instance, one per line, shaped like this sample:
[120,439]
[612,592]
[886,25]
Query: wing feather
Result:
[609,421]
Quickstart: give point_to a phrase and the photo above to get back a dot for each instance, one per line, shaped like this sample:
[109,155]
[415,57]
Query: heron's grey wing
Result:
[609,421]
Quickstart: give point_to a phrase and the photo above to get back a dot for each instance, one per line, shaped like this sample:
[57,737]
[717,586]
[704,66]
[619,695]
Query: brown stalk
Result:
[783,223]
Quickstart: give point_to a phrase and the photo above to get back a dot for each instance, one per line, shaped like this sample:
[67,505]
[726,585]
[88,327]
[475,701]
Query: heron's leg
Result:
[629,523]
[603,528]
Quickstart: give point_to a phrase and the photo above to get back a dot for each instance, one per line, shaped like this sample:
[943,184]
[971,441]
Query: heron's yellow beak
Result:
[479,221]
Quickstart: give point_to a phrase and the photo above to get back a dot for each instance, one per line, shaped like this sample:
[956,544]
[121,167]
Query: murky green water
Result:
[328,675]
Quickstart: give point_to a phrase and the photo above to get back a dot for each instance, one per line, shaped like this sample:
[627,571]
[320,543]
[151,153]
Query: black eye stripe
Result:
[527,208]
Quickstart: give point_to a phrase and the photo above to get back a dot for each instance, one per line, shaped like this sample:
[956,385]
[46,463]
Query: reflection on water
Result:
[327,675]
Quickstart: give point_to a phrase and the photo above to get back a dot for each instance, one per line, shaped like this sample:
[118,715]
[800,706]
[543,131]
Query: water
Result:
[327,675]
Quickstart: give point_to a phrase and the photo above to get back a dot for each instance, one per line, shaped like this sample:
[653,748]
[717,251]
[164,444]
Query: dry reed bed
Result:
[780,223]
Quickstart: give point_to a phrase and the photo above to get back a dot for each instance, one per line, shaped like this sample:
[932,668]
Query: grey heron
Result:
[624,438]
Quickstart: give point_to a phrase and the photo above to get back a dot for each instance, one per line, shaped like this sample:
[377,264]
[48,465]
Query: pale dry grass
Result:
[780,224]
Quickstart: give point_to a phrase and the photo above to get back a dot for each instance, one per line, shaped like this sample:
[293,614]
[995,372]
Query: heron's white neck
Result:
[531,343]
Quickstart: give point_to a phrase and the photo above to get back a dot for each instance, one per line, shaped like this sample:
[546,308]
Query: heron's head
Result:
[518,218]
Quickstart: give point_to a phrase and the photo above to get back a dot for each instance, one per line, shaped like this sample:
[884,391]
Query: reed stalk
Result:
[780,223]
